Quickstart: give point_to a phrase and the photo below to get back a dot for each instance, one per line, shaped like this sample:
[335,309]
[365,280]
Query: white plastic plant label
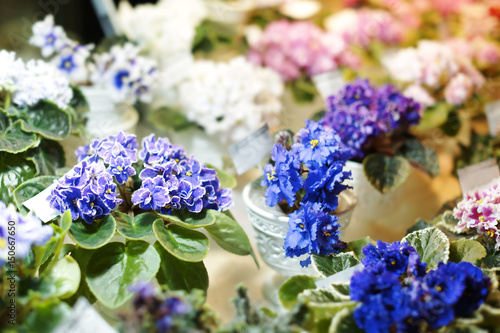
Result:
[39,205]
[250,151]
[329,83]
[477,175]
[341,277]
[84,319]
[493,115]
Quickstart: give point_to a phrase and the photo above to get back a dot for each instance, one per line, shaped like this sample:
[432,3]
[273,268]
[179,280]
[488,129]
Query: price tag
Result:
[250,151]
[477,175]
[39,205]
[329,83]
[84,319]
[493,115]
[341,277]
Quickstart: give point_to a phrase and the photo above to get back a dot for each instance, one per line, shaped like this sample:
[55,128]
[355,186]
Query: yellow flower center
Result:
[270,175]
[108,191]
[189,173]
[167,206]
[314,143]
[119,168]
[439,288]
[480,201]
[393,262]
[3,243]
[490,233]
[91,204]
[301,225]
[67,64]
[177,160]
[327,234]
[481,218]
[356,96]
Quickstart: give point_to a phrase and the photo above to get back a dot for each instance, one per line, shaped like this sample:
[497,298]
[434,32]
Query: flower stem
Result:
[6,104]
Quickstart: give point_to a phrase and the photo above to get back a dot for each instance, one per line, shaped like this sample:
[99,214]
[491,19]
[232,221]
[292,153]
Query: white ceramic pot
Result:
[271,226]
[388,216]
[105,117]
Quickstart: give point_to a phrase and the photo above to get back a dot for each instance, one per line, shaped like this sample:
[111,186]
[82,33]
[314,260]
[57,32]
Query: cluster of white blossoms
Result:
[431,67]
[231,99]
[32,82]
[165,29]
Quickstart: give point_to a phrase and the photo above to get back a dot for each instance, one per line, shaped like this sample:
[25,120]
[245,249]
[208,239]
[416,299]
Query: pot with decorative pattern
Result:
[271,226]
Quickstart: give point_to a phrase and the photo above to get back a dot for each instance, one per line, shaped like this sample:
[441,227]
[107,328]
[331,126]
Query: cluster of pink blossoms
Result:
[480,210]
[296,48]
[364,26]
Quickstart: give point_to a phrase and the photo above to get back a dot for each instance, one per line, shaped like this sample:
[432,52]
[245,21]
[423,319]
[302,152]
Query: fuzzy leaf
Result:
[226,180]
[94,235]
[358,245]
[176,274]
[29,189]
[185,244]
[13,139]
[466,250]
[62,280]
[344,322]
[190,220]
[168,119]
[420,156]
[46,119]
[48,157]
[431,244]
[386,173]
[15,169]
[115,266]
[139,228]
[290,290]
[334,263]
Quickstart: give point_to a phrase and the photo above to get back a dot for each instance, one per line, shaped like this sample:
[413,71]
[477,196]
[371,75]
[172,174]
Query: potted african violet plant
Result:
[39,109]
[425,283]
[300,205]
[373,122]
[111,80]
[157,195]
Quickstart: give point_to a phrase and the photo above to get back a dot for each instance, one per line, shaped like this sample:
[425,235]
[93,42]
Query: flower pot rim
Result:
[284,218]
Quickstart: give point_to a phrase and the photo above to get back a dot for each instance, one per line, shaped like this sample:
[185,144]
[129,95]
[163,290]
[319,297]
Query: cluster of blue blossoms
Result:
[170,179]
[398,294]
[320,154]
[360,113]
[163,311]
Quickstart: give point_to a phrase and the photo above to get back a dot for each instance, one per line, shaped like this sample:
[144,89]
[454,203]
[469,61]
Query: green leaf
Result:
[386,173]
[116,266]
[334,263]
[66,221]
[62,280]
[226,180]
[344,322]
[29,189]
[176,274]
[420,156]
[48,157]
[46,316]
[94,235]
[15,169]
[139,228]
[434,116]
[184,244]
[432,245]
[48,120]
[13,139]
[452,125]
[466,250]
[290,290]
[168,119]
[77,109]
[190,220]
[358,245]
[82,257]
[303,90]
[229,235]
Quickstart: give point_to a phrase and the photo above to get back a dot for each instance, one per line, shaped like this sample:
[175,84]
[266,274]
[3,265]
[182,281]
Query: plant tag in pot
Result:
[84,318]
[329,83]
[250,151]
[478,174]
[39,205]
[493,114]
